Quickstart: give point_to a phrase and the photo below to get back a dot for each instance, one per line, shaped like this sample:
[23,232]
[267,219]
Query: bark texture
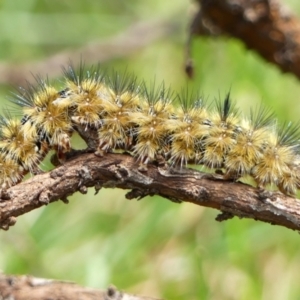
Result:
[27,287]
[121,171]
[265,26]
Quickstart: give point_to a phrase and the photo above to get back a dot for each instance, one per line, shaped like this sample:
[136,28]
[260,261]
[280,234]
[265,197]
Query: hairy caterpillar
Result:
[125,115]
[44,121]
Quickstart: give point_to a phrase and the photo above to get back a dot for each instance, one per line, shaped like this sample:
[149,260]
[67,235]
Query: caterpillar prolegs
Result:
[146,122]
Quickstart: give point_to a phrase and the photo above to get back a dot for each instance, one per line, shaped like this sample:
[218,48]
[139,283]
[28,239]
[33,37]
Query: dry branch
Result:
[27,287]
[265,26]
[121,171]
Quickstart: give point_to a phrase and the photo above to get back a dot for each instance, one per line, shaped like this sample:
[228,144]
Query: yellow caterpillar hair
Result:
[10,171]
[123,115]
[250,143]
[120,101]
[44,118]
[19,146]
[221,135]
[83,95]
[188,130]
[280,160]
[150,119]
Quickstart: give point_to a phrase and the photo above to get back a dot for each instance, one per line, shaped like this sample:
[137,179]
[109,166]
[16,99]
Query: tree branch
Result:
[27,287]
[121,171]
[265,26]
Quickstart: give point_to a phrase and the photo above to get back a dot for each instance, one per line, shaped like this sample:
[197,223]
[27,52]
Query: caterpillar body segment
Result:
[188,130]
[150,120]
[251,141]
[279,164]
[84,95]
[221,136]
[11,173]
[50,122]
[122,99]
[17,145]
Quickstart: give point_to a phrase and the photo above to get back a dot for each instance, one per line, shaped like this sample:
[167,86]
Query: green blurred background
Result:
[151,247]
